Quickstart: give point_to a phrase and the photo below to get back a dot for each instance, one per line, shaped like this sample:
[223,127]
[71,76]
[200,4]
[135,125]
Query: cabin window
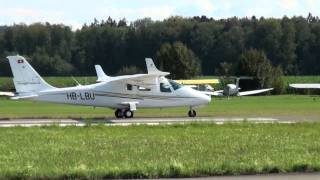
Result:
[129,87]
[165,87]
[140,88]
[175,85]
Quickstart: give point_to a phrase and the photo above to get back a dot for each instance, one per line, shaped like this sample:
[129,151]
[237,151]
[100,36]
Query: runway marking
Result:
[135,121]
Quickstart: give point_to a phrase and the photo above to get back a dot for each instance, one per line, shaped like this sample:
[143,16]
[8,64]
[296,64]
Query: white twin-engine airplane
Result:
[234,90]
[123,93]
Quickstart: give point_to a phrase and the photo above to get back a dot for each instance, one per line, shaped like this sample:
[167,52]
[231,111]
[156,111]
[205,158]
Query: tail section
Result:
[100,73]
[26,80]
[152,69]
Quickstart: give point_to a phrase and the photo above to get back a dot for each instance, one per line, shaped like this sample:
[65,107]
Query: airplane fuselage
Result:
[105,95]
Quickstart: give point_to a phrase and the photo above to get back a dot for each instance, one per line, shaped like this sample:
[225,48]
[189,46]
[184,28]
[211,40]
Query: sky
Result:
[77,12]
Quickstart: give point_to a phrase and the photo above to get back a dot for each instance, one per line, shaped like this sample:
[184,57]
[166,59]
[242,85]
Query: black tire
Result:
[192,113]
[128,113]
[118,113]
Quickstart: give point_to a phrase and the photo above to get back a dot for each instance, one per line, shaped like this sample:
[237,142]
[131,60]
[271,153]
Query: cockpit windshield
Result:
[174,84]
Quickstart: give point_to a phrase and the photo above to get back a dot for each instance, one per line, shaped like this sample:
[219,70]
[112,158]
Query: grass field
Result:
[158,151]
[284,105]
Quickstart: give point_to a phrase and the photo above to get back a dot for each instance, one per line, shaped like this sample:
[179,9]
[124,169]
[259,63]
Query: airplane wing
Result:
[305,86]
[137,79]
[209,93]
[246,93]
[23,97]
[217,93]
[10,94]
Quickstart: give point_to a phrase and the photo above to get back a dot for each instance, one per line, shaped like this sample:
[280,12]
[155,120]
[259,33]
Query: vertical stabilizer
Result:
[25,78]
[100,74]
[152,69]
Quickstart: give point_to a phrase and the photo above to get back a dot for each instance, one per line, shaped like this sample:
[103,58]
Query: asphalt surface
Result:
[291,176]
[137,121]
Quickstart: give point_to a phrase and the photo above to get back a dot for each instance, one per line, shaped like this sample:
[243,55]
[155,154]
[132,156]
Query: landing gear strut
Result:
[121,113]
[192,113]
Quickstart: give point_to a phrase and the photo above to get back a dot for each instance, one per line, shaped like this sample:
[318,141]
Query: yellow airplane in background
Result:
[200,84]
[198,81]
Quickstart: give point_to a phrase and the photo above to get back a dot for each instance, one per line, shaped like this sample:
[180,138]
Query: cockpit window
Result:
[165,87]
[175,85]
[129,87]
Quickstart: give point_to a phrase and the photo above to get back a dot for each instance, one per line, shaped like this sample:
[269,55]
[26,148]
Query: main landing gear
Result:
[192,113]
[121,113]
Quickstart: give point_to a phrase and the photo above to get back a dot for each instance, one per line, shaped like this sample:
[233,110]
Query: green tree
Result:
[129,70]
[256,64]
[179,60]
[288,47]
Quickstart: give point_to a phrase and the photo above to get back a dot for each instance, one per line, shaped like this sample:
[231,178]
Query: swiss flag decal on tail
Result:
[20,61]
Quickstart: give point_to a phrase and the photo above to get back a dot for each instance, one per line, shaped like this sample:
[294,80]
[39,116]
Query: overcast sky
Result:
[77,12]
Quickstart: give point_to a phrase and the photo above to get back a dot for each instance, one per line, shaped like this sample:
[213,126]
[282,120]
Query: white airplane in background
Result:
[234,90]
[123,93]
[305,86]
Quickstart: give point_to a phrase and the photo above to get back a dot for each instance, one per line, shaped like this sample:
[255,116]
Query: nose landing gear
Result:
[192,113]
[121,113]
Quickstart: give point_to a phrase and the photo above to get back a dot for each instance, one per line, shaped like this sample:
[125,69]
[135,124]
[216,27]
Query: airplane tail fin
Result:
[152,69]
[100,73]
[26,80]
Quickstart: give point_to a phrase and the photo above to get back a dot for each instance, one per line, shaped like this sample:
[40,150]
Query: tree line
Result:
[201,45]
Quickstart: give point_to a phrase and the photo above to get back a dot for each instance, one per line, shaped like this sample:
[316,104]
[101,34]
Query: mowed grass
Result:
[254,106]
[158,151]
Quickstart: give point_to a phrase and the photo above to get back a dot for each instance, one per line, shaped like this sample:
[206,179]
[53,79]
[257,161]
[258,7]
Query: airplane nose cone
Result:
[206,99]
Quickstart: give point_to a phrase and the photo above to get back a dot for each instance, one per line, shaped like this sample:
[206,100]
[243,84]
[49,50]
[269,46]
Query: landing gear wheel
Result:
[128,113]
[192,113]
[118,113]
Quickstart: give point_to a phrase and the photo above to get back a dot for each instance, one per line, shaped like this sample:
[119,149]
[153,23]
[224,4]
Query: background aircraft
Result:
[305,86]
[229,89]
[234,89]
[123,93]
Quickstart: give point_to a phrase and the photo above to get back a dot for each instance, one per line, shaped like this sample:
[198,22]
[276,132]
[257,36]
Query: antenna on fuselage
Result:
[74,79]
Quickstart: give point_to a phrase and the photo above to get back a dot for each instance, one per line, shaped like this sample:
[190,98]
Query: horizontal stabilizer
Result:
[247,93]
[10,94]
[24,97]
[305,86]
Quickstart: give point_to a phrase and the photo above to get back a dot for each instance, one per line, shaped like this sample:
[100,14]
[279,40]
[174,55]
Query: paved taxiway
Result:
[138,121]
